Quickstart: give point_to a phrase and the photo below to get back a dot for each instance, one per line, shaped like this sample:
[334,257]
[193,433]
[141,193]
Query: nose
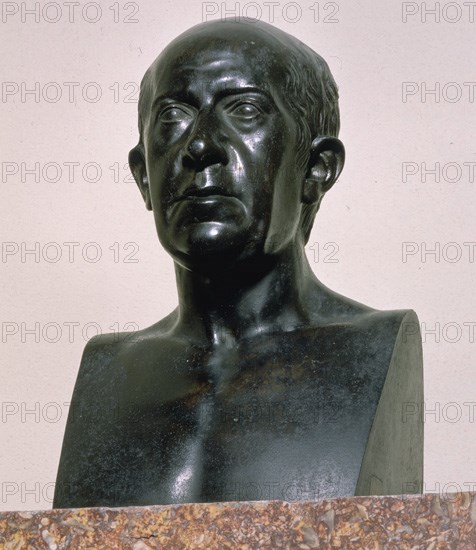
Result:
[203,147]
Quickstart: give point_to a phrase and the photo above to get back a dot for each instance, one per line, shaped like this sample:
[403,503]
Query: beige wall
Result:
[360,233]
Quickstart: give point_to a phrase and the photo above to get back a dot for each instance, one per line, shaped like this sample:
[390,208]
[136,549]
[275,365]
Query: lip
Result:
[205,198]
[209,192]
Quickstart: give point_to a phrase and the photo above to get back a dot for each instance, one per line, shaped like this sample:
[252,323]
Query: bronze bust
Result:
[263,383]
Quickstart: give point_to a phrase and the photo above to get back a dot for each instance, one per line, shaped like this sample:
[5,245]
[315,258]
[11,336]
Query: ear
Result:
[138,169]
[325,165]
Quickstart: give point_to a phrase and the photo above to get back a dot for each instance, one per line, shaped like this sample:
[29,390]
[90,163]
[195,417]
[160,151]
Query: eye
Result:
[244,110]
[173,114]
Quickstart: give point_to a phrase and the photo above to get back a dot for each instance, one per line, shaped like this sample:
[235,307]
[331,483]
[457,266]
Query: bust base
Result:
[412,521]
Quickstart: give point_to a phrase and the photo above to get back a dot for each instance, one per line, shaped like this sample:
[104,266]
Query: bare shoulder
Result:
[338,309]
[102,349]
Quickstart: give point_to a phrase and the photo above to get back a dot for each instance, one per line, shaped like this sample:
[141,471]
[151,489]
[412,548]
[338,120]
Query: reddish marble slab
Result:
[427,522]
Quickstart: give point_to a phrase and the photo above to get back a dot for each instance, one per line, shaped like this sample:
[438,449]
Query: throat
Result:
[223,312]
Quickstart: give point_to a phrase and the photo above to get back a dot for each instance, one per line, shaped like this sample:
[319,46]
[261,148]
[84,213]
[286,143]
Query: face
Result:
[220,152]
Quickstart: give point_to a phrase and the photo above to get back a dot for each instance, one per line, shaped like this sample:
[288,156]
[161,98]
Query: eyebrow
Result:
[220,94]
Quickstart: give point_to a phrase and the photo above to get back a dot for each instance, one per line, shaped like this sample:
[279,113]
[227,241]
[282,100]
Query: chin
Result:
[212,244]
[212,237]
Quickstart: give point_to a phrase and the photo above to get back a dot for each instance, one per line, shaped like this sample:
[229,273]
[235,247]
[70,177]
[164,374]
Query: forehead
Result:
[213,61]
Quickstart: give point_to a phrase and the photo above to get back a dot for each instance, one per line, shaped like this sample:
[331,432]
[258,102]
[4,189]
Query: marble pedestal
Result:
[430,522]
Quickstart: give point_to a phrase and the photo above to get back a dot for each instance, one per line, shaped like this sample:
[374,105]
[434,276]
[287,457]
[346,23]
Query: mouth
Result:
[202,192]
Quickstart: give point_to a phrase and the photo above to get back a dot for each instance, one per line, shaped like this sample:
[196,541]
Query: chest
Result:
[276,387]
[202,427]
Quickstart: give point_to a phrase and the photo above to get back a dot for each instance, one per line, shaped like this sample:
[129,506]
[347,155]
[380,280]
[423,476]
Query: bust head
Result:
[238,126]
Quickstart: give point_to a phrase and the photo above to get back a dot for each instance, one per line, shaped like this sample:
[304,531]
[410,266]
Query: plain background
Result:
[371,240]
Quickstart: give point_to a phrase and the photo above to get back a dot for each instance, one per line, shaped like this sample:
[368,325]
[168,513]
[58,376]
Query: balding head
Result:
[300,76]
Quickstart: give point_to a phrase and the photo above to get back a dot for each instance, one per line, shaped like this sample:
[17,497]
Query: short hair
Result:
[309,87]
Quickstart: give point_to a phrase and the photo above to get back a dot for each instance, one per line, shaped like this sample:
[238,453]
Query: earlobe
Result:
[138,169]
[326,161]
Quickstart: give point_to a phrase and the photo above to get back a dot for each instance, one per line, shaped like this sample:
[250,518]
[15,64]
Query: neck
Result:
[266,295]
